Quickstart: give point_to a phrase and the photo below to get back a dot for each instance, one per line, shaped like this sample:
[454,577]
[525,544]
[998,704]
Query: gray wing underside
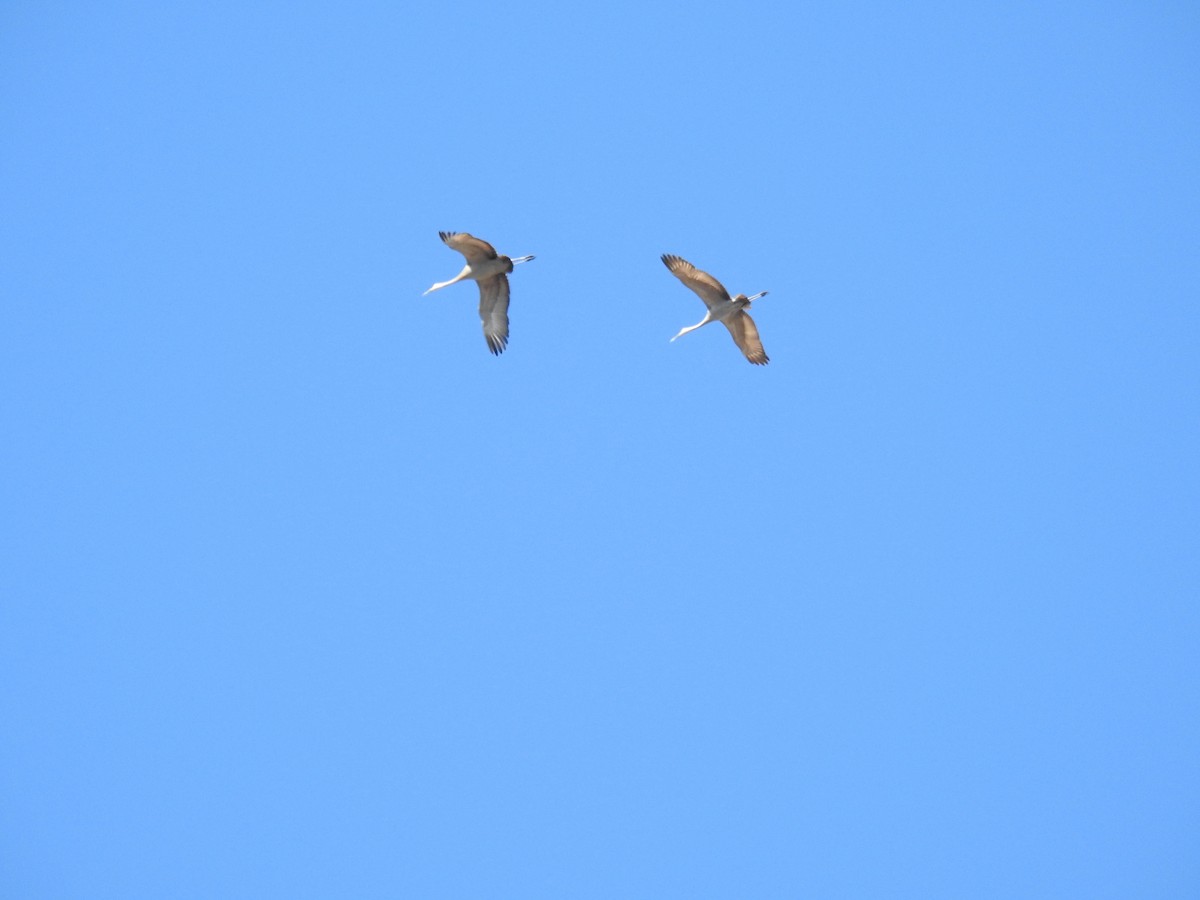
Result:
[745,335]
[711,291]
[473,248]
[493,312]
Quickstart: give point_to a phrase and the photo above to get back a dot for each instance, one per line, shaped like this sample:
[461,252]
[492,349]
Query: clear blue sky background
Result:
[305,594]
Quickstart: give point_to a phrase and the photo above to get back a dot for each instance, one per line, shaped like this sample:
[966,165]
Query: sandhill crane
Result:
[721,307]
[490,270]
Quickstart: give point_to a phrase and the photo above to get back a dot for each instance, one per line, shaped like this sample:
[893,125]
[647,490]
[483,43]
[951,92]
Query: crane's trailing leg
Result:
[708,318]
[465,273]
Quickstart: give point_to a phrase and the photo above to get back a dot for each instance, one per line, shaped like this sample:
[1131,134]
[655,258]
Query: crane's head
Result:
[741,301]
[509,262]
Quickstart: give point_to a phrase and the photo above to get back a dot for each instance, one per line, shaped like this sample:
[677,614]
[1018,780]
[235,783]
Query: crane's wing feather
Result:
[711,291]
[745,335]
[493,311]
[468,245]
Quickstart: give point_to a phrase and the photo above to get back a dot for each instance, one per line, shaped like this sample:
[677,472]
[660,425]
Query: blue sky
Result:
[305,594]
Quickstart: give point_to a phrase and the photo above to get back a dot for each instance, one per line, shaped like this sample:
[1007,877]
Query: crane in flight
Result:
[721,307]
[490,270]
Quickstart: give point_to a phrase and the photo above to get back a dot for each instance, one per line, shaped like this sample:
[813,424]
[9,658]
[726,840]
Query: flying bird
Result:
[490,270]
[721,307]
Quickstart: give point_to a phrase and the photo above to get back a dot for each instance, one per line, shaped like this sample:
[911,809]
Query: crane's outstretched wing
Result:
[493,311]
[468,245]
[745,335]
[711,291]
